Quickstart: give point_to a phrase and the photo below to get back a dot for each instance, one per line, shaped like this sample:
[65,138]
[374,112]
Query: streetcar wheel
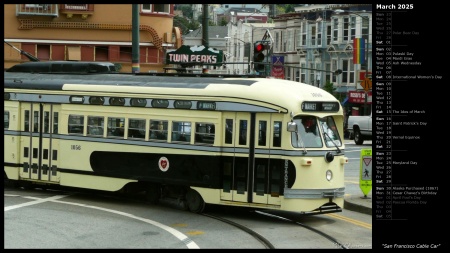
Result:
[195,202]
[358,137]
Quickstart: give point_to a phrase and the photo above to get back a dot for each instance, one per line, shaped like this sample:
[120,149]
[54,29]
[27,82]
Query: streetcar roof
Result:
[283,93]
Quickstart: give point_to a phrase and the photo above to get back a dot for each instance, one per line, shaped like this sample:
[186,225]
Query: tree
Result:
[329,88]
[184,24]
[223,22]
[186,9]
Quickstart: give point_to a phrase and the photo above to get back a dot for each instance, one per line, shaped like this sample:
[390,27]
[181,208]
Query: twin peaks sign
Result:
[190,55]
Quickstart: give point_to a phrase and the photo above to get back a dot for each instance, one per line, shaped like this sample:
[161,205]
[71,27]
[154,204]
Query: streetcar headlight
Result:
[329,175]
[329,157]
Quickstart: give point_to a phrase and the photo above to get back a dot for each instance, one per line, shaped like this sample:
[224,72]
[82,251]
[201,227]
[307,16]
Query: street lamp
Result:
[366,58]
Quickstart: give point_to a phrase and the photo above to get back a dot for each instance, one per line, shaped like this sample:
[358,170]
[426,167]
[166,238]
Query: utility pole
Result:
[205,21]
[135,68]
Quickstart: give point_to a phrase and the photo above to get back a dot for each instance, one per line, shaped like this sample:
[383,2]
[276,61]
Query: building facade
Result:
[90,32]
[317,44]
[315,41]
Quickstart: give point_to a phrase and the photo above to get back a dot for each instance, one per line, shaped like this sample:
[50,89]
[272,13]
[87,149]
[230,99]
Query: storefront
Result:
[356,102]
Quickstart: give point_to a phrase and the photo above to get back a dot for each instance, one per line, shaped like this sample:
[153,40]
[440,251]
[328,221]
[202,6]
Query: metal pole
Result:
[249,45]
[367,66]
[205,24]
[135,39]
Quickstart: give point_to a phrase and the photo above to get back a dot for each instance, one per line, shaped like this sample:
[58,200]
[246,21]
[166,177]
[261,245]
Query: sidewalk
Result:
[358,203]
[354,199]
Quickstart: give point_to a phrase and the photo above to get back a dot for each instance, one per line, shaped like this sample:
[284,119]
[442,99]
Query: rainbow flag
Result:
[358,51]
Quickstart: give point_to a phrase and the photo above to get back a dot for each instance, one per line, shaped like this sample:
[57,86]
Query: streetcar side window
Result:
[95,125]
[36,122]
[262,133]
[116,127]
[46,122]
[204,133]
[181,131]
[6,120]
[242,132]
[55,122]
[136,128]
[26,127]
[76,124]
[158,130]
[277,133]
[229,131]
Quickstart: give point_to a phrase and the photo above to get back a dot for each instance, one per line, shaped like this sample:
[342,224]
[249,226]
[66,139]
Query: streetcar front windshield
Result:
[330,132]
[310,135]
[308,130]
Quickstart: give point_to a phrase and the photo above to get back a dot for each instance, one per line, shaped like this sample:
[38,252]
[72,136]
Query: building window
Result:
[365,29]
[328,35]
[156,8]
[101,53]
[303,72]
[277,41]
[313,35]
[351,74]
[328,72]
[345,71]
[319,34]
[335,30]
[125,54]
[303,34]
[352,27]
[346,30]
[311,74]
[334,67]
[289,41]
[43,52]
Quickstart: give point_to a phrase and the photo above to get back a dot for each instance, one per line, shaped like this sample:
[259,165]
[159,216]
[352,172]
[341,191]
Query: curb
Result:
[357,208]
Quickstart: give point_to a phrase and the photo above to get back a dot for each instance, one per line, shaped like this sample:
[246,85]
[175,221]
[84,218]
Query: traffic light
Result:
[258,56]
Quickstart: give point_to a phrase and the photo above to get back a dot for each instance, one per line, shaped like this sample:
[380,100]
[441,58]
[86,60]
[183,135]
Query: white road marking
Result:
[183,238]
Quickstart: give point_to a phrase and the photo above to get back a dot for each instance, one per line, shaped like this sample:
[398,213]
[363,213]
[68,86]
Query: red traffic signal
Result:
[259,47]
[258,55]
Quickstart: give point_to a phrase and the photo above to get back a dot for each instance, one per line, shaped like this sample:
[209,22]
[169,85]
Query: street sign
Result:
[365,180]
[366,84]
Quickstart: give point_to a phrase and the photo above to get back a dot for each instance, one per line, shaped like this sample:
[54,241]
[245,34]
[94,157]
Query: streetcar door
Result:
[268,165]
[39,145]
[236,140]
